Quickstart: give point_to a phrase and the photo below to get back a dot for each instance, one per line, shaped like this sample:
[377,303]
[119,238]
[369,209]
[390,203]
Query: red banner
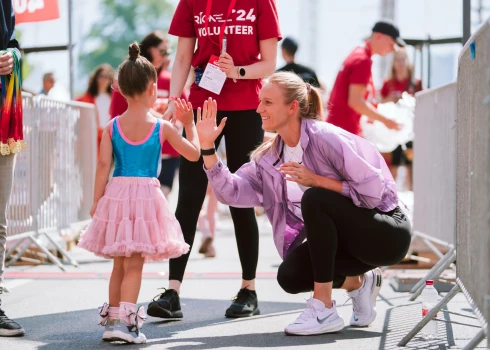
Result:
[35,10]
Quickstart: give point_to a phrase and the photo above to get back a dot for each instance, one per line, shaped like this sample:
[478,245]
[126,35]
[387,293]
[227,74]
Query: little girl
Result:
[132,222]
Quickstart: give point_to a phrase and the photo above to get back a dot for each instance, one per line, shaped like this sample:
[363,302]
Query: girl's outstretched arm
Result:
[188,147]
[104,164]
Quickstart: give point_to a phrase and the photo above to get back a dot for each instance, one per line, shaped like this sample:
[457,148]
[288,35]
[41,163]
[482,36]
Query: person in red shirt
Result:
[354,83]
[244,34]
[156,49]
[98,93]
[401,80]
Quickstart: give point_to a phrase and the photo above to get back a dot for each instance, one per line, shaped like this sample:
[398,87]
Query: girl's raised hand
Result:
[183,112]
[207,129]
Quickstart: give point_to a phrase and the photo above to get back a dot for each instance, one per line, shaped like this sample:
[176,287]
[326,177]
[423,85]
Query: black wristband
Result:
[208,152]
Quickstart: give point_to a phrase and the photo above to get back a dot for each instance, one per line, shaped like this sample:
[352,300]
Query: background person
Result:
[289,47]
[99,93]
[48,83]
[10,47]
[251,51]
[349,98]
[400,80]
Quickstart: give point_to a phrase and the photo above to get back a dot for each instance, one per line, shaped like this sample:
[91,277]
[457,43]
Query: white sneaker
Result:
[316,319]
[364,299]
[109,328]
[129,334]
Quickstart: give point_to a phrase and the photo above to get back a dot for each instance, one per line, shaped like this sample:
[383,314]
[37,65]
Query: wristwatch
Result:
[241,72]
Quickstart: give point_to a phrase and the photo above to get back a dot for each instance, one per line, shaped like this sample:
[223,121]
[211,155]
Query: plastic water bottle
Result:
[430,297]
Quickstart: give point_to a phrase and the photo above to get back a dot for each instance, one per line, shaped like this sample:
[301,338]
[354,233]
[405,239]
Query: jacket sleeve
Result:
[366,177]
[242,189]
[13,43]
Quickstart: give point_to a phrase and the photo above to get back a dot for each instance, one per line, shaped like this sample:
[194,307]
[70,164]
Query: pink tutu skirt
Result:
[133,217]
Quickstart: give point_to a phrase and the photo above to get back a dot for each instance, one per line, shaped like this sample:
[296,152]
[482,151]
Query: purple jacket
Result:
[327,151]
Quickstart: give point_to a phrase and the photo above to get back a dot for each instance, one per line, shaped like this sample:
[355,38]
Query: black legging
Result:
[342,240]
[243,133]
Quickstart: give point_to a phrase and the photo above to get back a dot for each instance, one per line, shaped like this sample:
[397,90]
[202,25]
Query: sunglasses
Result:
[164,52]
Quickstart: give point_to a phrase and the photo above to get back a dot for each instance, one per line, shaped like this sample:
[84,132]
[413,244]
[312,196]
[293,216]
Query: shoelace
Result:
[242,296]
[137,317]
[167,292]
[356,307]
[104,314]
[4,319]
[310,312]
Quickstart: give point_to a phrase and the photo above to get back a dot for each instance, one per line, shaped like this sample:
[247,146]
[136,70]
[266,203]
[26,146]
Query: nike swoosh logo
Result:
[355,318]
[320,321]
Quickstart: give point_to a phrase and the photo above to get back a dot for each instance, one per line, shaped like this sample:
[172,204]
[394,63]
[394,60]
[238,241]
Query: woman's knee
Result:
[287,280]
[315,197]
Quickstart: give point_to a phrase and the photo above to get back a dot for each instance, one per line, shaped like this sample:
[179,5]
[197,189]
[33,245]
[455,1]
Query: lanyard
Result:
[222,29]
[371,82]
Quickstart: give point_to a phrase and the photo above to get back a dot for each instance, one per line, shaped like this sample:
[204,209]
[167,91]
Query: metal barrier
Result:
[54,176]
[472,185]
[473,169]
[434,170]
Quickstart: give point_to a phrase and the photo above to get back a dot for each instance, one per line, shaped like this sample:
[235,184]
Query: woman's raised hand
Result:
[207,129]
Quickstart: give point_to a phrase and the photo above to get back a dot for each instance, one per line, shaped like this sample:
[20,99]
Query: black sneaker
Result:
[245,304]
[8,327]
[166,306]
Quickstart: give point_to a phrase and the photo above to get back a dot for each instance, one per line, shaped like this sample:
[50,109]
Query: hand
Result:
[6,63]
[170,112]
[226,65]
[207,130]
[391,124]
[183,112]
[161,105]
[299,173]
[92,210]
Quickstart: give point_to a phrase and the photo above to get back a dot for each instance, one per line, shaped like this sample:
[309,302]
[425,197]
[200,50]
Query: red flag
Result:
[35,10]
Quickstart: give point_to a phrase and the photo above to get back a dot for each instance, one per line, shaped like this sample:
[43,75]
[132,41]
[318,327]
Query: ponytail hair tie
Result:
[308,88]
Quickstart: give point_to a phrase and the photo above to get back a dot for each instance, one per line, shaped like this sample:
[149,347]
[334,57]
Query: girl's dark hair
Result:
[153,39]
[93,86]
[135,73]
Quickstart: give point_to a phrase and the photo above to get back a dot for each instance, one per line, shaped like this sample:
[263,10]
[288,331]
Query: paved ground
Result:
[58,310]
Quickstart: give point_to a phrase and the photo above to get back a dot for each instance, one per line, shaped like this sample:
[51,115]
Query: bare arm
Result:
[180,71]
[389,99]
[360,105]
[188,147]
[104,164]
[259,70]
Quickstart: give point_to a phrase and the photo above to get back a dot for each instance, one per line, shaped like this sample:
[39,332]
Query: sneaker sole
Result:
[118,335]
[205,245]
[253,313]
[11,332]
[108,336]
[159,312]
[374,295]
[332,328]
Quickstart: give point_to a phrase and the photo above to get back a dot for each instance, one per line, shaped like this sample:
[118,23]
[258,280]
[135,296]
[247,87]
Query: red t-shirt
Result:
[249,23]
[119,105]
[395,88]
[356,69]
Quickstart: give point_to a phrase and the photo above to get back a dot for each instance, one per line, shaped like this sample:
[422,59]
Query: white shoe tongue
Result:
[316,304]
[354,293]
